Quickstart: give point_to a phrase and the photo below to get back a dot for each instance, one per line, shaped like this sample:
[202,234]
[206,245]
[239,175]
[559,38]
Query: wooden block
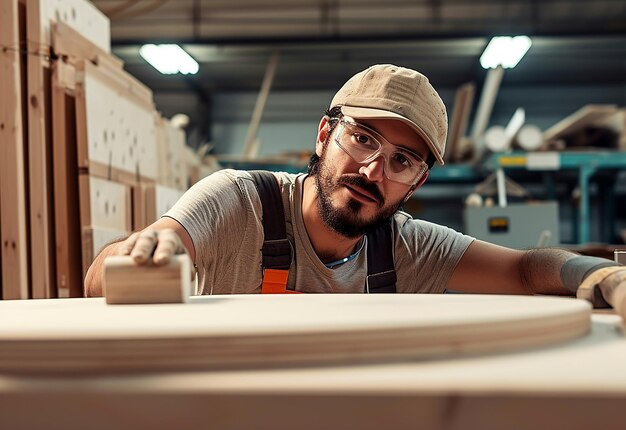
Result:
[115,128]
[93,240]
[584,117]
[127,283]
[13,216]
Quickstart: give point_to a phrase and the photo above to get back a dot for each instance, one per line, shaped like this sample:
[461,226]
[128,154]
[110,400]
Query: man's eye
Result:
[401,159]
[363,139]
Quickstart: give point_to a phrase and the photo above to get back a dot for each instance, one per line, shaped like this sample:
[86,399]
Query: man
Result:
[385,129]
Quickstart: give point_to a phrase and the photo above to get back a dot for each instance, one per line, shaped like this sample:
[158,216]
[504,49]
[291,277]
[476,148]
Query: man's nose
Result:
[374,170]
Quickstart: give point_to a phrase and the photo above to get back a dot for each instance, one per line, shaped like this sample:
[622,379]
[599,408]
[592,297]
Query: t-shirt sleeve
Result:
[426,255]
[217,212]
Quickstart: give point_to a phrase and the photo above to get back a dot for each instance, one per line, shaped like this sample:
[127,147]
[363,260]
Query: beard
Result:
[348,220]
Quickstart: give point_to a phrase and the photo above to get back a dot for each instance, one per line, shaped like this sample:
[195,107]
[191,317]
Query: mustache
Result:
[366,185]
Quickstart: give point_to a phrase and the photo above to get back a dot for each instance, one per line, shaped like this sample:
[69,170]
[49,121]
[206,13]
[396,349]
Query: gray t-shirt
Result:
[222,214]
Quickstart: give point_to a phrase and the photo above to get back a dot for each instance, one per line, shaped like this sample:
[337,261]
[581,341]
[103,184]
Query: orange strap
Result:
[275,282]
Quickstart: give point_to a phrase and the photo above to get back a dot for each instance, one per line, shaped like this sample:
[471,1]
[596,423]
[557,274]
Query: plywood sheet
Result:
[104,204]
[165,199]
[116,127]
[13,216]
[266,330]
[81,15]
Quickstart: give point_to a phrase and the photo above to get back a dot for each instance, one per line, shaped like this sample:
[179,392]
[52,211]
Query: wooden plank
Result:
[251,148]
[112,174]
[584,117]
[39,156]
[172,155]
[74,47]
[485,106]
[120,80]
[66,211]
[104,203]
[460,117]
[12,157]
[139,207]
[116,127]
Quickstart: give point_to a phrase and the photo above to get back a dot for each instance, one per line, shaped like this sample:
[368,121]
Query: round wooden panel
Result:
[214,332]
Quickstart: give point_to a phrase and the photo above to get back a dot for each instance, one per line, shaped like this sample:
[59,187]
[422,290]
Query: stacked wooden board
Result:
[82,138]
[252,331]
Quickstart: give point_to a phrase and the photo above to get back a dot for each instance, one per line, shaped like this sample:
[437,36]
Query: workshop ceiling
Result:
[322,42]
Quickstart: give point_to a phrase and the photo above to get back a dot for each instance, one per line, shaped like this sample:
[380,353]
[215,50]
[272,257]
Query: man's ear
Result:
[416,186]
[322,135]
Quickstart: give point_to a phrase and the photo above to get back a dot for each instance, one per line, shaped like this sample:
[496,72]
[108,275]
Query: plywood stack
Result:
[154,199]
[91,137]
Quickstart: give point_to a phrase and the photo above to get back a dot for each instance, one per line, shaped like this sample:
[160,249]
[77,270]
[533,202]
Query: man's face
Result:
[355,198]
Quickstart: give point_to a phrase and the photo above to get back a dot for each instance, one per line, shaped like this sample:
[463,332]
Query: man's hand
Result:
[156,245]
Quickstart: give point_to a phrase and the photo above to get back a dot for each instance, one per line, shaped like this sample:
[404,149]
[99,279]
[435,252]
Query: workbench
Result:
[576,384]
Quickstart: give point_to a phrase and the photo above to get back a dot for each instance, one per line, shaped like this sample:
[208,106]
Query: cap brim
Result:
[370,113]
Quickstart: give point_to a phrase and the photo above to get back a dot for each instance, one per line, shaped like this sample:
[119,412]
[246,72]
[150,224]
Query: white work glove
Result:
[606,286]
[161,245]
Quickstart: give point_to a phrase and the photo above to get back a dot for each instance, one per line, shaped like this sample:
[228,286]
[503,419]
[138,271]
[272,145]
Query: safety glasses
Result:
[364,145]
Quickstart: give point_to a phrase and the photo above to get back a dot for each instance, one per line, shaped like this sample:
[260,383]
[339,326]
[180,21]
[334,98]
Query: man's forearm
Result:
[557,271]
[94,279]
[541,271]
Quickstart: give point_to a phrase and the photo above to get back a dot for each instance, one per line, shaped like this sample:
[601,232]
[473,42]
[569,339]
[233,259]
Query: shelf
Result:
[585,163]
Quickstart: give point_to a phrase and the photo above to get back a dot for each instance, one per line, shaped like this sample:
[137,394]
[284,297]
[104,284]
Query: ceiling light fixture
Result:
[505,51]
[169,59]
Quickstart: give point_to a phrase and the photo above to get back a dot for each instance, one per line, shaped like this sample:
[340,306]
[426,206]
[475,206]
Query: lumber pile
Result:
[86,158]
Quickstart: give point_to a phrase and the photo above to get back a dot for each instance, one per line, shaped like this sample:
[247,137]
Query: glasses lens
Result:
[364,145]
[358,142]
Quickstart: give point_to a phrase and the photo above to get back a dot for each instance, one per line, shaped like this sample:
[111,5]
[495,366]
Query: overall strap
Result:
[381,274]
[276,247]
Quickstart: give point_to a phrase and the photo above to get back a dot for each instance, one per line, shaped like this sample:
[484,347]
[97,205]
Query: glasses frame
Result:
[382,141]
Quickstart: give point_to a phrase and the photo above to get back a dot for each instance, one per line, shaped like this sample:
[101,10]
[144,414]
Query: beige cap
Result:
[392,92]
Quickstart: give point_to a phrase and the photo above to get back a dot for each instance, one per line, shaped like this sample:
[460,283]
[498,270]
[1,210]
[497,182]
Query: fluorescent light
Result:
[169,59]
[505,51]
